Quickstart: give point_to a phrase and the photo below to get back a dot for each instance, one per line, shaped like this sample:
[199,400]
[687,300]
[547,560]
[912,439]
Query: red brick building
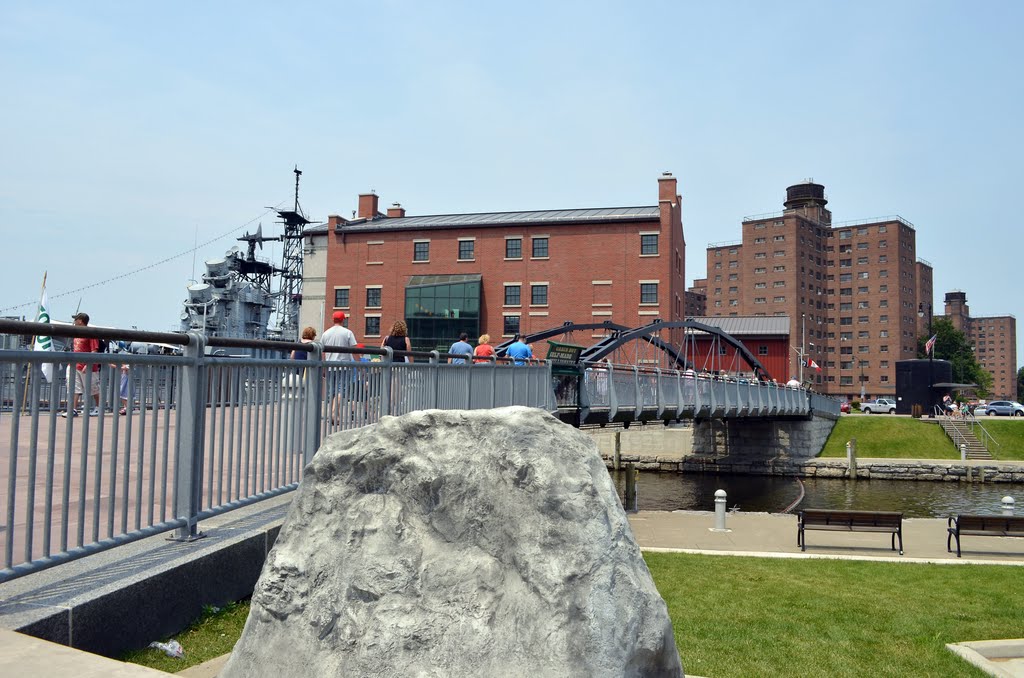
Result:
[503,273]
[850,289]
[994,339]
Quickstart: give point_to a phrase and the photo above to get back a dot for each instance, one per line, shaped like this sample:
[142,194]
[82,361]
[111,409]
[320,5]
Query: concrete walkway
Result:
[748,534]
[774,535]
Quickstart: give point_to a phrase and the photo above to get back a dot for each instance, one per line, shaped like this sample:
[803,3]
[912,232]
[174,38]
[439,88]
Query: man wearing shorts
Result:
[340,336]
[79,375]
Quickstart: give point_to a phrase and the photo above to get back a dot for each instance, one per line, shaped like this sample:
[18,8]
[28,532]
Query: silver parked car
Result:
[1009,408]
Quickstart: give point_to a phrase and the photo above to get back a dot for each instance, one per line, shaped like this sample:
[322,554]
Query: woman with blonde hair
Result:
[398,339]
[483,350]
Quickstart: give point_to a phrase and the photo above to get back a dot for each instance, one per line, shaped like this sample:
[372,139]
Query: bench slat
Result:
[982,526]
[850,521]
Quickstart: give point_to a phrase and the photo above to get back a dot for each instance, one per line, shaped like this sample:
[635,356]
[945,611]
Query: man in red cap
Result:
[341,336]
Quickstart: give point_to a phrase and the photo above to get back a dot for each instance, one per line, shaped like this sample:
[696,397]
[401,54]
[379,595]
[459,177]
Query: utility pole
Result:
[803,343]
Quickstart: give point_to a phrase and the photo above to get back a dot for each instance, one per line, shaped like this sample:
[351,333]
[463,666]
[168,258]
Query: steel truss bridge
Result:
[665,371]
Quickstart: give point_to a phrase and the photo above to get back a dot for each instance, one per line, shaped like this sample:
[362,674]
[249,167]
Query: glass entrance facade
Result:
[440,307]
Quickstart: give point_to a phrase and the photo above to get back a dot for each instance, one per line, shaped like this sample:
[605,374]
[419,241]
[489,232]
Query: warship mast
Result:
[289,295]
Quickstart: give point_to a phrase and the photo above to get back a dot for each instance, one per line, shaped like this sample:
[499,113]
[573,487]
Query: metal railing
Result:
[201,433]
[608,393]
[229,422]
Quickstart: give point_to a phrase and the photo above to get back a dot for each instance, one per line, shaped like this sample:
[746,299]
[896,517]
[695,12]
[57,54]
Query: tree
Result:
[953,345]
[1020,384]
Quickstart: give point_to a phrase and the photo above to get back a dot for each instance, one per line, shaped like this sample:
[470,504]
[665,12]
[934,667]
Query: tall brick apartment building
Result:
[995,343]
[500,273]
[851,290]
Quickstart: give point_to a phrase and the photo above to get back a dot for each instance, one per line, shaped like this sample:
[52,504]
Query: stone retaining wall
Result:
[879,469]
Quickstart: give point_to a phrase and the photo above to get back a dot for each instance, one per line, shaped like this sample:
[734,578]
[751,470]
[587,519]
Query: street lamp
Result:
[931,354]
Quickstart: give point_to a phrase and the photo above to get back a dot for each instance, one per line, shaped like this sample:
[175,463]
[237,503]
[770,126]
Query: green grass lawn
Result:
[1009,433]
[745,617]
[212,635]
[890,437]
[779,617]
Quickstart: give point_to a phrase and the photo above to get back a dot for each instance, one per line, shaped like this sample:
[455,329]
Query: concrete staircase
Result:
[959,431]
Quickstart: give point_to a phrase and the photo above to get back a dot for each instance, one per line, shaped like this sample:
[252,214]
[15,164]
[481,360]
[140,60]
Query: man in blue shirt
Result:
[519,352]
[460,347]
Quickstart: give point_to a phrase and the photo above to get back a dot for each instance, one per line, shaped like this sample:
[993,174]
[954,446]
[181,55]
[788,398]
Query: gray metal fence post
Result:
[188,478]
[314,396]
[385,387]
[638,396]
[435,378]
[613,398]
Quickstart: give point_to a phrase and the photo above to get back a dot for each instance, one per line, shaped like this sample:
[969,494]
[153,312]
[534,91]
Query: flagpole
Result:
[28,376]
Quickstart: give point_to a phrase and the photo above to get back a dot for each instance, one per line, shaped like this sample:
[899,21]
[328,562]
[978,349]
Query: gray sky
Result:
[133,130]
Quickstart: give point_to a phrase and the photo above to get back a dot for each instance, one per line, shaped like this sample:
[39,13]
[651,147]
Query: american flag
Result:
[929,345]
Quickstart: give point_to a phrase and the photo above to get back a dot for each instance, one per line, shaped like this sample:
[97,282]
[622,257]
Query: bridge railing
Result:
[610,392]
[221,424]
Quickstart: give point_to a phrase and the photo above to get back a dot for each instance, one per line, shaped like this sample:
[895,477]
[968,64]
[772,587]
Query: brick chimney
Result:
[368,205]
[667,187]
[396,211]
[333,221]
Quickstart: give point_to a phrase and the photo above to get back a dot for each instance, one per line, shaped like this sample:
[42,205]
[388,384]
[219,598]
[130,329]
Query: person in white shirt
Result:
[340,336]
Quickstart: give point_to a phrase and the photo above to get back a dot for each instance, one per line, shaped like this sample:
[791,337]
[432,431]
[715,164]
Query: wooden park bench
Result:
[982,526]
[850,521]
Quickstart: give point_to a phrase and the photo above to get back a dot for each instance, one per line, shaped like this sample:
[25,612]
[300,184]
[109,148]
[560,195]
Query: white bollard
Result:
[720,502]
[1007,506]
[963,452]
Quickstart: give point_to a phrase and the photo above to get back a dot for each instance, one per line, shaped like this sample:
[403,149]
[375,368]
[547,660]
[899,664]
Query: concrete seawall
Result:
[671,450]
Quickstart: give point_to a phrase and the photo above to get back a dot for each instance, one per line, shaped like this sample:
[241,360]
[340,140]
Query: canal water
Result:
[773,494]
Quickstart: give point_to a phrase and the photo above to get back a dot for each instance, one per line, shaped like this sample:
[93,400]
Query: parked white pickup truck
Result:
[878,406]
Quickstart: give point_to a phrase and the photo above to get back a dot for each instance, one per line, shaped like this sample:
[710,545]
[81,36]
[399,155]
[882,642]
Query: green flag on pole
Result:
[44,343]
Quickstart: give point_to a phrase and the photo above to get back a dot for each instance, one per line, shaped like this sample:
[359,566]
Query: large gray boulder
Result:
[451,543]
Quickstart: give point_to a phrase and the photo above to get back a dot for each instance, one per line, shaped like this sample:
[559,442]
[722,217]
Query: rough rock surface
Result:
[450,543]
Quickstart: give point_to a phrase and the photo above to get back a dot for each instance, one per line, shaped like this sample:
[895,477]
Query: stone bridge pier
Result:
[756,445]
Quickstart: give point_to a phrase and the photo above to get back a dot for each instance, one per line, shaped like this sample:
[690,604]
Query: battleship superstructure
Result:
[239,293]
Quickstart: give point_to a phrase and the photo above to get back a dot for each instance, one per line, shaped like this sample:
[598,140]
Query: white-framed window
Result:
[648,244]
[513,247]
[513,294]
[341,297]
[648,291]
[538,294]
[374,295]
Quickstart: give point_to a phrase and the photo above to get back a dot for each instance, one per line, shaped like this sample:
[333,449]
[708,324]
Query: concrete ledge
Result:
[129,596]
[995,657]
[22,655]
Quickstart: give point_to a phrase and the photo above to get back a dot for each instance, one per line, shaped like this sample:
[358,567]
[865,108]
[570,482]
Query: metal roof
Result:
[748,325]
[485,219]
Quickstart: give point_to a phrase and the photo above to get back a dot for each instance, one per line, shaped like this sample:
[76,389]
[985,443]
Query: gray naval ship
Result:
[245,296]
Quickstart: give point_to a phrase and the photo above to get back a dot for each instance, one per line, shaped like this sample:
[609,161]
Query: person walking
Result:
[460,347]
[483,350]
[308,335]
[398,339]
[519,352]
[338,336]
[125,379]
[77,373]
